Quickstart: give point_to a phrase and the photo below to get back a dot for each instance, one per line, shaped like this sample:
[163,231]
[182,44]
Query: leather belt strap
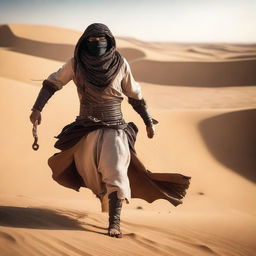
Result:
[102,112]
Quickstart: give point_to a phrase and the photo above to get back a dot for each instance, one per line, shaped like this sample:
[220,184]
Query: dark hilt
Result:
[35,146]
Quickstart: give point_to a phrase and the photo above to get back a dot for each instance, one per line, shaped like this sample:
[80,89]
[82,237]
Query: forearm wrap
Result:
[44,95]
[140,107]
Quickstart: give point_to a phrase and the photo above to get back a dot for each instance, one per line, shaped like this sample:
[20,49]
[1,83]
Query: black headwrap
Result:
[97,70]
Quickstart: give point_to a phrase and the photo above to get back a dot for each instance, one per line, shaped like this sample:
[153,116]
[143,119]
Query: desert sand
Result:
[203,96]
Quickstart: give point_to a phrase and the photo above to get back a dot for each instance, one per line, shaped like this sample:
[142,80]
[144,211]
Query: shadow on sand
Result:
[37,218]
[231,138]
[197,74]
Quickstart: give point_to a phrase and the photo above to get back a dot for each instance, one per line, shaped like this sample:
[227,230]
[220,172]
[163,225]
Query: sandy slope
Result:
[207,132]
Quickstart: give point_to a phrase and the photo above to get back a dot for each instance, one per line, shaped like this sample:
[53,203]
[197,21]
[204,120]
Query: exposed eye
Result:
[98,38]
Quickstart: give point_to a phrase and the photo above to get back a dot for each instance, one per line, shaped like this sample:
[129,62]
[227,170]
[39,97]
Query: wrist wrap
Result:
[44,95]
[140,107]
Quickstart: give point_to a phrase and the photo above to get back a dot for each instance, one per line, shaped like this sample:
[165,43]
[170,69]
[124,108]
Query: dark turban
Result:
[97,70]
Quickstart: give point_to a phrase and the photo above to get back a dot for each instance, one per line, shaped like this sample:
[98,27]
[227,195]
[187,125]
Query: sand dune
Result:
[196,73]
[199,74]
[49,50]
[54,51]
[236,152]
[73,232]
[207,133]
[182,97]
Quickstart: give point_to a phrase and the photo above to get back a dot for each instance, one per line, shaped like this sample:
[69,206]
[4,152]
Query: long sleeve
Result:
[132,90]
[130,87]
[63,75]
[54,82]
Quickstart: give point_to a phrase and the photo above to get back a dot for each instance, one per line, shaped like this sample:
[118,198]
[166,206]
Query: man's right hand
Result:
[35,116]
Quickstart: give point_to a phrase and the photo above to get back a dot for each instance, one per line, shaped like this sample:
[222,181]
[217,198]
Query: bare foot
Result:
[113,232]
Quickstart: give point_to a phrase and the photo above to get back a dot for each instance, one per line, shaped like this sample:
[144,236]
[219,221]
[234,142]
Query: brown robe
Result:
[144,184]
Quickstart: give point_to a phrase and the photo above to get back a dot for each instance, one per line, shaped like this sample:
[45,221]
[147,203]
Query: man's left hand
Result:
[150,131]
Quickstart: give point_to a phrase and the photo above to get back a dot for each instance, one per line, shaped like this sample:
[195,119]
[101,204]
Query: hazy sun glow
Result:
[162,20]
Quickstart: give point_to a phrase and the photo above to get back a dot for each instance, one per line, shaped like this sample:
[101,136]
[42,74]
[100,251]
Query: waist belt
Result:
[101,112]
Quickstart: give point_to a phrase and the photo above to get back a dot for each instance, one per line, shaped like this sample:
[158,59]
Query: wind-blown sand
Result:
[204,97]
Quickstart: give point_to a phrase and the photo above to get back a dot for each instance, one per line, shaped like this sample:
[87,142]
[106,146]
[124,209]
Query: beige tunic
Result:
[102,157]
[123,83]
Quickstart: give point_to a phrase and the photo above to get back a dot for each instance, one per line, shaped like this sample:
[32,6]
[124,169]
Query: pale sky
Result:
[150,20]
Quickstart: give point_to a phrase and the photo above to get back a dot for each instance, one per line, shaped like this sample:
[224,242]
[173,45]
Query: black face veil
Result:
[97,70]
